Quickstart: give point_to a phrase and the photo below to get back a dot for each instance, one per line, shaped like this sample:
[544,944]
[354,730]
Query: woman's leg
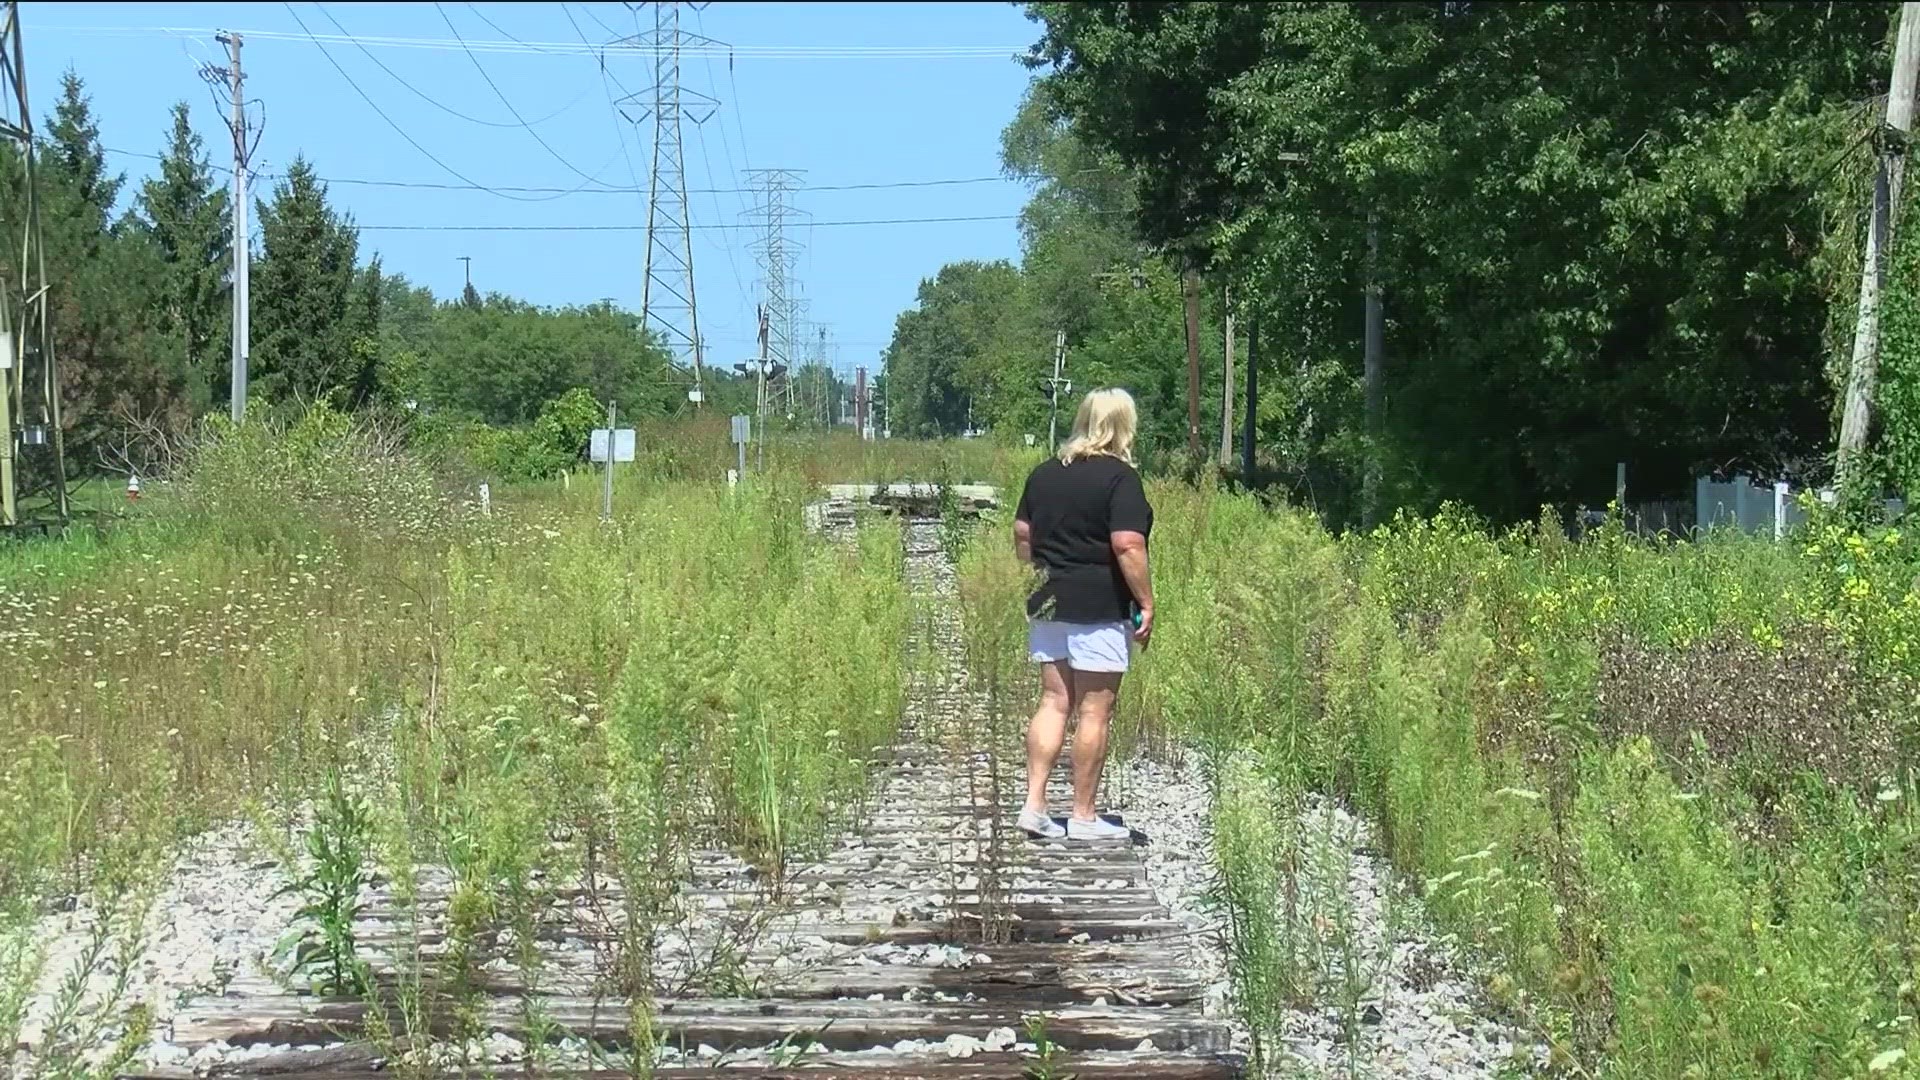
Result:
[1094,695]
[1047,732]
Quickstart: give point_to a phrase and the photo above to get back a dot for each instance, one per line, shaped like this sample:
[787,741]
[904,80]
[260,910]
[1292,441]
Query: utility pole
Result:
[760,397]
[860,402]
[667,302]
[1374,373]
[1193,364]
[1892,147]
[242,250]
[606,494]
[1226,394]
[467,260]
[1253,402]
[1054,386]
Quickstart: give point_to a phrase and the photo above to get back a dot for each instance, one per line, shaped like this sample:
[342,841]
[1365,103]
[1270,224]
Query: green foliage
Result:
[329,885]
[1607,233]
[1897,397]
[1662,886]
[183,213]
[104,284]
[305,316]
[502,361]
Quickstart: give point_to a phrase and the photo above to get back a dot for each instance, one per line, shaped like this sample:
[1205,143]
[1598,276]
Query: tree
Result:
[101,278]
[307,315]
[183,214]
[74,156]
[954,351]
[1609,231]
[503,361]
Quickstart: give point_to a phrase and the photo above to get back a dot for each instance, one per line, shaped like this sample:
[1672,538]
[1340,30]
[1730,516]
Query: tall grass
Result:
[1666,790]
[525,699]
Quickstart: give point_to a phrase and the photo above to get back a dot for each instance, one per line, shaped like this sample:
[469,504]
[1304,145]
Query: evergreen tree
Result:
[183,212]
[76,162]
[103,284]
[304,299]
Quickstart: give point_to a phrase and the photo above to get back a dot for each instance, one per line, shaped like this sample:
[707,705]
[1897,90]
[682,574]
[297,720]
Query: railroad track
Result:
[931,942]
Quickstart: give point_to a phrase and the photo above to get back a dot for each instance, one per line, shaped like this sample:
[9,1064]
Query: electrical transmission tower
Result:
[33,469]
[778,256]
[667,303]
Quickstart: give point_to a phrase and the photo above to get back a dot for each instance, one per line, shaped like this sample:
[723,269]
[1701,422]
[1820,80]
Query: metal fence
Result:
[1761,508]
[1765,509]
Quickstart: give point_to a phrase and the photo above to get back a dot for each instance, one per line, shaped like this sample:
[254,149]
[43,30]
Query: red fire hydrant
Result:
[133,488]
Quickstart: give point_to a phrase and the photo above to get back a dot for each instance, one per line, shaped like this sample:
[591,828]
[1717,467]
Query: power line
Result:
[497,92]
[435,102]
[613,107]
[636,189]
[643,228]
[775,51]
[402,132]
[726,145]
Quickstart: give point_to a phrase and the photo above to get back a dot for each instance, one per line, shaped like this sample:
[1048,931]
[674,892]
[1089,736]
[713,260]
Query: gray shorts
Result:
[1084,646]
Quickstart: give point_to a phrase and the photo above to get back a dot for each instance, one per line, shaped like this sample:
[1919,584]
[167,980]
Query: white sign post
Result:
[610,444]
[742,432]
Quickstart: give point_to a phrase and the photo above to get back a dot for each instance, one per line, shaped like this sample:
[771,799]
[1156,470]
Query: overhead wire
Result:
[715,226]
[613,107]
[637,189]
[706,160]
[435,102]
[402,132]
[504,100]
[775,51]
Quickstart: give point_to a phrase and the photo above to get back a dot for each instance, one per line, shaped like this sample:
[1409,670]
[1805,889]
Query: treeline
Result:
[1599,233]
[140,287]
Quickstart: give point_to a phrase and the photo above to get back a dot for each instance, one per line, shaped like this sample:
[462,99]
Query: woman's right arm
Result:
[1130,552]
[1129,519]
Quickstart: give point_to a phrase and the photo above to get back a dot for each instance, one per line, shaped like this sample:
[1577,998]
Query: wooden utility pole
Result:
[1253,401]
[1864,370]
[1374,374]
[1193,364]
[760,394]
[1226,393]
[1054,389]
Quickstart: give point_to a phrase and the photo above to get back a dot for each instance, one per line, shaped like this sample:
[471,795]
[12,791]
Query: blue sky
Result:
[801,89]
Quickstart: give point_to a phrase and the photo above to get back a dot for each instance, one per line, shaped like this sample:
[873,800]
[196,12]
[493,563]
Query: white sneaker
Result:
[1040,826]
[1097,829]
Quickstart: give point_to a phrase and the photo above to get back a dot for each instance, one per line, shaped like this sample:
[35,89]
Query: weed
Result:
[329,885]
[1661,790]
[1047,1064]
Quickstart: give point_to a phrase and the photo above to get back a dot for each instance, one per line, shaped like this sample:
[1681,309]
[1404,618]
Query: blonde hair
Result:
[1104,425]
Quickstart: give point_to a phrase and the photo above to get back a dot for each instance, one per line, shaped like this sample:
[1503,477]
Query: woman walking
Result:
[1083,523]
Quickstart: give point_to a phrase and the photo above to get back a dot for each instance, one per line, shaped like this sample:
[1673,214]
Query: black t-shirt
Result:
[1074,510]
